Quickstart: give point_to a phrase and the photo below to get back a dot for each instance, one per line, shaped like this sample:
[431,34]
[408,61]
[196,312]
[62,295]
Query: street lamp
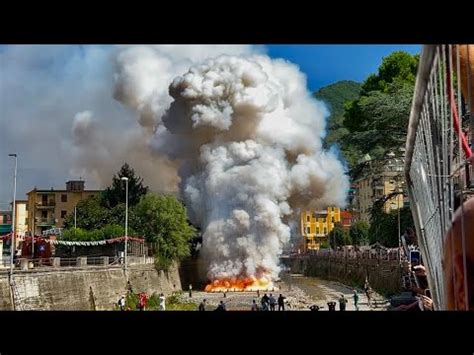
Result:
[12,244]
[399,232]
[126,219]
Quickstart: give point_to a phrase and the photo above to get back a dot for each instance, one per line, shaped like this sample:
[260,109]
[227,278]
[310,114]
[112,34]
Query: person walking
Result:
[356,300]
[162,302]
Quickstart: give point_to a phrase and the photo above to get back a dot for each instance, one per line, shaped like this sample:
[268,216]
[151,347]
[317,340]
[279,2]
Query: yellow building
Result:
[48,208]
[315,226]
[21,217]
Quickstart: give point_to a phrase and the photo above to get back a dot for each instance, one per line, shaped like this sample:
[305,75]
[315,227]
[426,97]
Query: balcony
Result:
[47,205]
[44,222]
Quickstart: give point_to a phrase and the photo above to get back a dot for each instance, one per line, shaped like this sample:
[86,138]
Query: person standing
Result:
[190,290]
[121,303]
[254,306]
[281,302]
[272,301]
[367,291]
[356,300]
[143,298]
[162,302]
[264,302]
[202,305]
[342,303]
[221,306]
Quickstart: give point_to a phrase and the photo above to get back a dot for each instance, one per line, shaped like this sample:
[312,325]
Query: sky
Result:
[58,111]
[326,64]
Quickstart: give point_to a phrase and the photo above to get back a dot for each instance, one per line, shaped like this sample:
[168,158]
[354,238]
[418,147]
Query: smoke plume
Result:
[247,136]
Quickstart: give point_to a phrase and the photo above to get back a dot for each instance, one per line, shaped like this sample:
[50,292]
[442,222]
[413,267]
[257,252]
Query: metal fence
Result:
[436,168]
[58,263]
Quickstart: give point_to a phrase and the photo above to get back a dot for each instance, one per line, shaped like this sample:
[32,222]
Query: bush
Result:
[131,301]
[162,263]
[154,301]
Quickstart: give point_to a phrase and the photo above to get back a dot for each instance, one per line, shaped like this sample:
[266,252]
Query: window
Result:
[325,230]
[308,218]
[63,198]
[63,213]
[44,214]
[308,230]
[26,220]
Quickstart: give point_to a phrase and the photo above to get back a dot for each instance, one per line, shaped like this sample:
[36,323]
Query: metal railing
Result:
[388,255]
[44,221]
[433,153]
[47,204]
[54,263]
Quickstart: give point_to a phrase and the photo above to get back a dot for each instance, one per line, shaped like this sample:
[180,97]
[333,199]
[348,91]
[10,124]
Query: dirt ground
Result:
[300,292]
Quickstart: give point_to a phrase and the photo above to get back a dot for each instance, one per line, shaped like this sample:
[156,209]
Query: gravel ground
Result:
[300,292]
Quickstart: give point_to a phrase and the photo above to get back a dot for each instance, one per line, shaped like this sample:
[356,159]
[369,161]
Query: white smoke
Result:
[104,140]
[247,135]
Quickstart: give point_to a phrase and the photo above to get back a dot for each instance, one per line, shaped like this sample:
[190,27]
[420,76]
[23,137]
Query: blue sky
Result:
[325,64]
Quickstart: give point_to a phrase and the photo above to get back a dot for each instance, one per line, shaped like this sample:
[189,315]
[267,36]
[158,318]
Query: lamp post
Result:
[126,220]
[399,231]
[12,244]
[397,205]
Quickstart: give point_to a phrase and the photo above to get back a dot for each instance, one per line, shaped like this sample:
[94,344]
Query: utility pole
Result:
[399,232]
[13,239]
[75,219]
[126,220]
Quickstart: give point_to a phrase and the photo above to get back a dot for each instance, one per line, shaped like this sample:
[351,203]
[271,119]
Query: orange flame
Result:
[239,284]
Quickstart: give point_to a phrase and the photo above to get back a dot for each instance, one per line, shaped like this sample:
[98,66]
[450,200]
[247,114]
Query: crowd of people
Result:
[269,303]
[143,299]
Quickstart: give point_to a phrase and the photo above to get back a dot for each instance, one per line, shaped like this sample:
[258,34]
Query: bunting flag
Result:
[72,243]
[92,243]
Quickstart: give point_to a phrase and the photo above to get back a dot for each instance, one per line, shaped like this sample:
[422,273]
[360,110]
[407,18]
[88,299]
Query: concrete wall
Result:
[85,289]
[384,275]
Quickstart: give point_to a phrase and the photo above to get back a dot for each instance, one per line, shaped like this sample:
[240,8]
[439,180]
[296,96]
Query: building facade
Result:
[5,222]
[315,226]
[48,208]
[21,217]
[346,219]
[374,186]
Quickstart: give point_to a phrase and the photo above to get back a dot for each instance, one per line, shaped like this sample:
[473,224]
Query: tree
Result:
[377,120]
[384,226]
[163,221]
[90,215]
[337,96]
[115,194]
[338,236]
[359,233]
